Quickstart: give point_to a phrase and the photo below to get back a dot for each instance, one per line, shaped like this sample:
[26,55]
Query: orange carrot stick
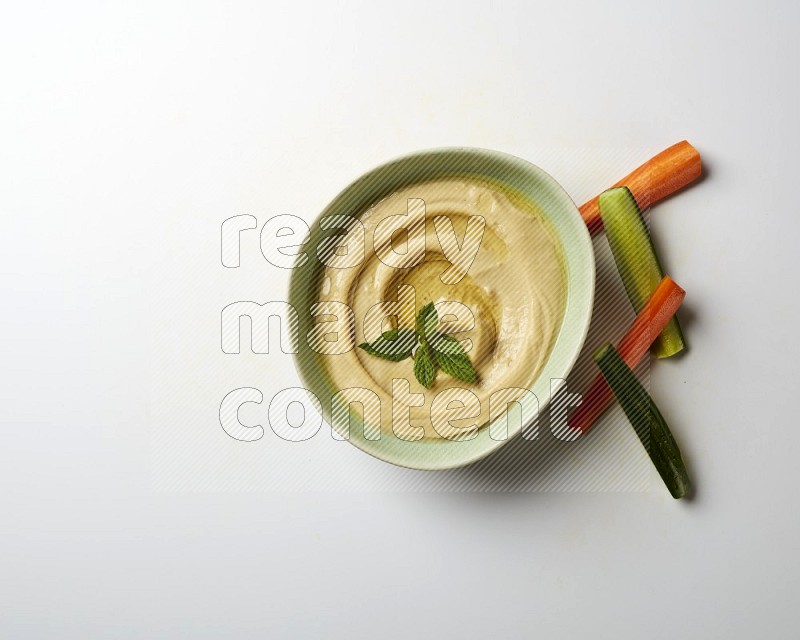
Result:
[662,175]
[650,322]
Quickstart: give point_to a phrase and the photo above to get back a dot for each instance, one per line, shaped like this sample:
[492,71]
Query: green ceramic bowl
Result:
[568,227]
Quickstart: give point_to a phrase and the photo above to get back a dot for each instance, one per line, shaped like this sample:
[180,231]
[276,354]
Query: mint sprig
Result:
[433,349]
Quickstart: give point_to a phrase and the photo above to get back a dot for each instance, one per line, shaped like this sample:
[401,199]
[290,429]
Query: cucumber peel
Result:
[646,419]
[636,260]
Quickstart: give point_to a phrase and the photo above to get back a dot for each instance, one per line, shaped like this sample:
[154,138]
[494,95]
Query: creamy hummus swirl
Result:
[514,289]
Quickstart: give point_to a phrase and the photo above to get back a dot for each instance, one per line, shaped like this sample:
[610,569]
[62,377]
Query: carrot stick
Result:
[650,322]
[659,177]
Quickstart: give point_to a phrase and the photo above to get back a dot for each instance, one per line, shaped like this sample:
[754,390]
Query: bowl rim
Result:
[580,318]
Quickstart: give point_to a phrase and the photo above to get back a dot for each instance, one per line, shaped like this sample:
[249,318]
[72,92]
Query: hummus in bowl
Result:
[501,251]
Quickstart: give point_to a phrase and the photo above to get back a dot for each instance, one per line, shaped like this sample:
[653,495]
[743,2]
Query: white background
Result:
[127,134]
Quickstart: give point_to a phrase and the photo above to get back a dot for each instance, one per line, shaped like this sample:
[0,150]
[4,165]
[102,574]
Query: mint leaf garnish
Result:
[424,367]
[427,320]
[433,349]
[443,343]
[457,366]
[452,358]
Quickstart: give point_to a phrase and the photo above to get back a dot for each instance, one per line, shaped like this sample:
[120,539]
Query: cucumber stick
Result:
[636,260]
[646,419]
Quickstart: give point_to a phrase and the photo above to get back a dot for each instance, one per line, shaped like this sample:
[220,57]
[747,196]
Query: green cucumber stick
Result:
[646,419]
[636,260]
